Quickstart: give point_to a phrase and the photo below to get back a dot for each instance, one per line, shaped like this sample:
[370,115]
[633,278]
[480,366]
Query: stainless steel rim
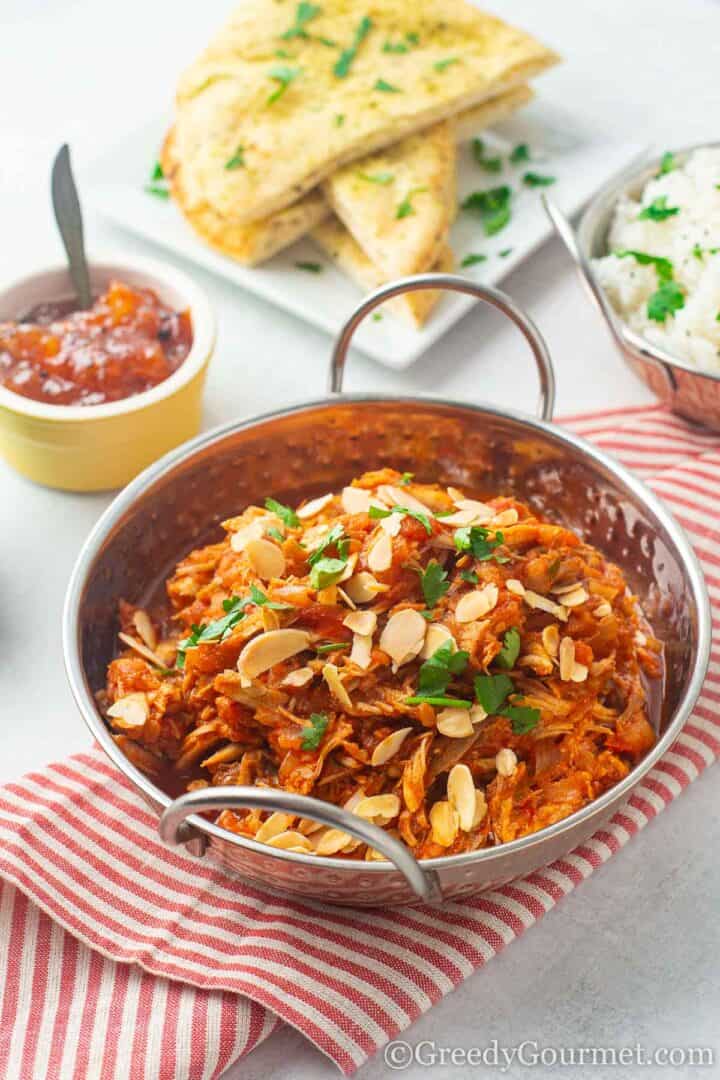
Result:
[123,502]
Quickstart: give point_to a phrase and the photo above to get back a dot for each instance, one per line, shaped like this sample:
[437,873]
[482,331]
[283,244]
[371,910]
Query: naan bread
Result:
[414,307]
[259,241]
[272,89]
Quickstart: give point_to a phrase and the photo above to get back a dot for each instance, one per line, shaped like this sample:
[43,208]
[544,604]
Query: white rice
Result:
[692,332]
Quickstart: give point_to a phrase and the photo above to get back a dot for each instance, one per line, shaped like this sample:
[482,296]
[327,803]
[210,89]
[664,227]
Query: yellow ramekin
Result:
[97,447]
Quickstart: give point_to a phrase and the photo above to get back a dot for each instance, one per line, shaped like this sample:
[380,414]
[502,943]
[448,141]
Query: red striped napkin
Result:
[121,957]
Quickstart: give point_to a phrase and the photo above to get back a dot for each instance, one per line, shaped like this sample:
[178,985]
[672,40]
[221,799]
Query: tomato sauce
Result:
[126,343]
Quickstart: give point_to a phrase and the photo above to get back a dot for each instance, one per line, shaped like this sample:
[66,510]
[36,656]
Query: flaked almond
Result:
[403,636]
[380,554]
[505,517]
[506,761]
[378,808]
[290,841]
[346,599]
[143,624]
[361,622]
[362,588]
[130,711]
[350,564]
[226,754]
[272,647]
[575,598]
[480,808]
[566,654]
[483,513]
[391,524]
[358,501]
[254,531]
[514,586]
[461,795]
[476,604]
[335,685]
[141,650]
[538,662]
[352,802]
[551,639]
[444,823]
[543,603]
[579,672]
[477,714]
[310,509]
[603,609]
[388,747]
[455,723]
[371,855]
[464,517]
[270,619]
[307,827]
[640,639]
[300,677]
[265,558]
[396,496]
[361,652]
[277,823]
[330,841]
[436,635]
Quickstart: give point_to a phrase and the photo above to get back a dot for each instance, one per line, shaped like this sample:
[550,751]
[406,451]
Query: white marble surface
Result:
[633,954]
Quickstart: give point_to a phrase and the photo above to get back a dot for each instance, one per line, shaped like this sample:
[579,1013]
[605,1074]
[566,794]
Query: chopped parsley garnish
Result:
[717,317]
[667,163]
[493,691]
[386,87]
[476,539]
[344,63]
[395,47]
[283,76]
[160,191]
[304,14]
[310,267]
[437,672]
[382,178]
[698,252]
[285,513]
[510,648]
[237,161]
[283,54]
[434,583]
[413,38]
[331,646]
[258,597]
[216,630]
[668,299]
[533,179]
[157,173]
[378,512]
[312,735]
[339,119]
[405,479]
[276,534]
[472,260]
[489,164]
[470,576]
[405,208]
[493,206]
[663,267]
[505,252]
[377,317]
[658,210]
[333,536]
[326,572]
[442,65]
[520,153]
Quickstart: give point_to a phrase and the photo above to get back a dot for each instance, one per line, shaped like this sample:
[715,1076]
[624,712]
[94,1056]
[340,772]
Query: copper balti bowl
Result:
[311,448]
[684,388]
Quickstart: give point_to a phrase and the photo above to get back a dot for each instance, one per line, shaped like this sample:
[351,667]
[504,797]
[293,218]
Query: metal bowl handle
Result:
[455,283]
[174,829]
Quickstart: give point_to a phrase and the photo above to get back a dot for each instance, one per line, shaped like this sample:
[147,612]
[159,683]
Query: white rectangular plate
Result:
[579,159]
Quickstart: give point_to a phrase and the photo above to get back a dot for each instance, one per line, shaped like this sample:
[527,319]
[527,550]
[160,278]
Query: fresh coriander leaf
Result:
[717,317]
[405,208]
[237,161]
[216,630]
[157,173]
[658,210]
[663,267]
[510,648]
[470,576]
[519,153]
[386,87]
[160,191]
[391,47]
[505,252]
[339,119]
[476,539]
[434,583]
[325,41]
[533,179]
[283,54]
[472,260]
[312,735]
[493,206]
[344,63]
[283,76]
[285,513]
[258,597]
[522,717]
[310,267]
[333,536]
[667,163]
[331,646]
[492,692]
[326,572]
[382,178]
[412,38]
[442,65]
[490,164]
[698,252]
[666,301]
[378,512]
[377,317]
[304,14]
[436,673]
[343,548]
[405,479]
[276,534]
[439,702]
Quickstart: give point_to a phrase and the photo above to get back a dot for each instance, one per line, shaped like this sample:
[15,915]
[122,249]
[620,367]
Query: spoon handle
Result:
[68,216]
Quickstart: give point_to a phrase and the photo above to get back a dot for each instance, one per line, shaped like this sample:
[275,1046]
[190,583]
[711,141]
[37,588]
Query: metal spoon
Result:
[68,216]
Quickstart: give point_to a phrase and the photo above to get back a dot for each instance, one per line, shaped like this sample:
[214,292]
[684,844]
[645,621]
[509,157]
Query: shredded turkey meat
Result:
[460,672]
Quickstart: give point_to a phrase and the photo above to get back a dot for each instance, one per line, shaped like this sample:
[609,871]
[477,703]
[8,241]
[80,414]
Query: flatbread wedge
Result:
[400,202]
[334,239]
[272,92]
